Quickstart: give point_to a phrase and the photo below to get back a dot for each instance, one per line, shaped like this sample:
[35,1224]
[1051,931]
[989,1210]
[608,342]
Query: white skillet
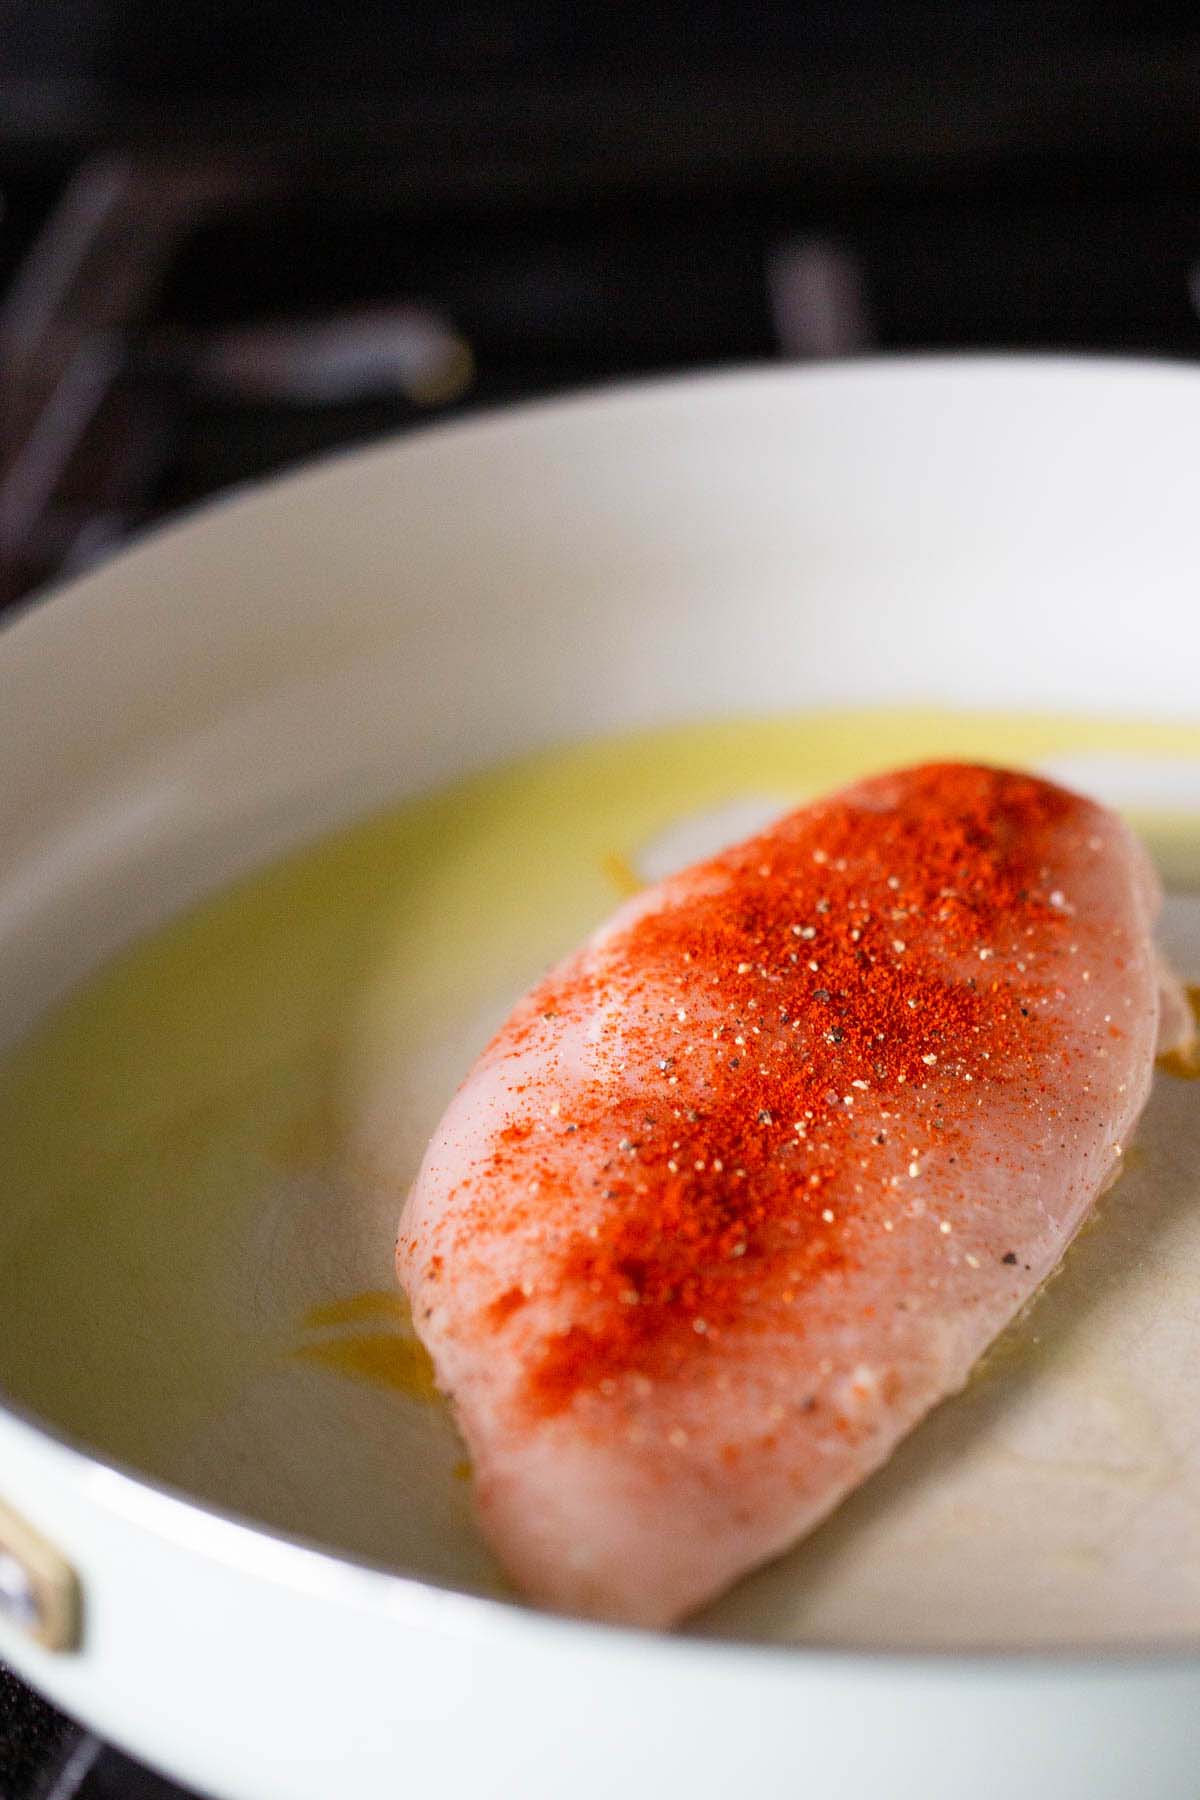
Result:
[978,533]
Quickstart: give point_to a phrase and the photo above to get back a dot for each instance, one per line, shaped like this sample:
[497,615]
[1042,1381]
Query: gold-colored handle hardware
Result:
[39,1590]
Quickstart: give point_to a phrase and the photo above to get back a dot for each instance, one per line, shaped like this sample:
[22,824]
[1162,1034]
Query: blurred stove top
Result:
[43,1756]
[177,320]
[177,324]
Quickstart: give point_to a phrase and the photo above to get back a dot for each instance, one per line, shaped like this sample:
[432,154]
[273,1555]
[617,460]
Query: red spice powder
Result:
[845,959]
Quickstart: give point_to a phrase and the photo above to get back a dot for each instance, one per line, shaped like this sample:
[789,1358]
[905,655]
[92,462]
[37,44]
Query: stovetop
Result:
[179,317]
[178,323]
[44,1756]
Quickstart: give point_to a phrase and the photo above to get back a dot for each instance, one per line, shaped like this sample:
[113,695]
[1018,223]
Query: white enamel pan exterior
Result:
[1002,533]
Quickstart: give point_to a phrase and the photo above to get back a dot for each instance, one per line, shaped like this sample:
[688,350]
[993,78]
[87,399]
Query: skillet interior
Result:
[178,1290]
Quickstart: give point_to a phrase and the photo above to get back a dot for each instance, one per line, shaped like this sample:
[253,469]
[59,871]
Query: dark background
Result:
[569,194]
[235,235]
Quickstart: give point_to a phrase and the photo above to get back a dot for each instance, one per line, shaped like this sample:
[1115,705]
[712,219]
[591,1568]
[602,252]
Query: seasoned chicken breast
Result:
[748,1183]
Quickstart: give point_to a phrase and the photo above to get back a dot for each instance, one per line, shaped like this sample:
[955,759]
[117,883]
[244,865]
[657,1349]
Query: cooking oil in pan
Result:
[206,1149]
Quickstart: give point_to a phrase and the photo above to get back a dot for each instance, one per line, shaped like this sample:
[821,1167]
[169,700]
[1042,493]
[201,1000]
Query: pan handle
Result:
[39,1590]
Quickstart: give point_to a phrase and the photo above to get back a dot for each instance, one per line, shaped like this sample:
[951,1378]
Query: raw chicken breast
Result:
[746,1185]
